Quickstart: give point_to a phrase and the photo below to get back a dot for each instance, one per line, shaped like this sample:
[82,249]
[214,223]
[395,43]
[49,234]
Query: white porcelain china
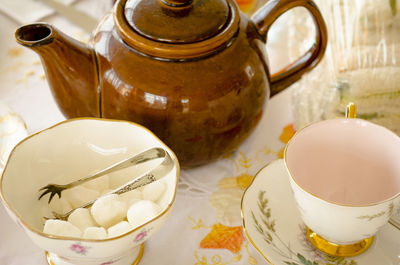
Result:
[274,226]
[345,177]
[64,153]
[12,130]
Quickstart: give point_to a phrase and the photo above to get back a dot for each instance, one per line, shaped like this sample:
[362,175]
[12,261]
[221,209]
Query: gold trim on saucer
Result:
[135,262]
[48,258]
[242,212]
[140,255]
[338,250]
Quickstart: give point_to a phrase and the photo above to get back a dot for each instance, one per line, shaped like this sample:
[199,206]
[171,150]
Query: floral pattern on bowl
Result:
[72,142]
[78,248]
[273,225]
[142,235]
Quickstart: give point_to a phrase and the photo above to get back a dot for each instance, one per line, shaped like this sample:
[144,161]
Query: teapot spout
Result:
[70,67]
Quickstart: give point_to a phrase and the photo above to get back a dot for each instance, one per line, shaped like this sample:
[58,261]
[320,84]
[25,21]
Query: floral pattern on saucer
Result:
[273,225]
[265,225]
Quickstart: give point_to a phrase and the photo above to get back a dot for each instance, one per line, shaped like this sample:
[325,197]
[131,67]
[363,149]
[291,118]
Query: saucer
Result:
[273,225]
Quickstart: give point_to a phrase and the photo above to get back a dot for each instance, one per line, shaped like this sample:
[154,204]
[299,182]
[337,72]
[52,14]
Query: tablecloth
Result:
[26,11]
[205,226]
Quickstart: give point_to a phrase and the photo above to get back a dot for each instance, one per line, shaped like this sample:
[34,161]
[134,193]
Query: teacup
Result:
[345,176]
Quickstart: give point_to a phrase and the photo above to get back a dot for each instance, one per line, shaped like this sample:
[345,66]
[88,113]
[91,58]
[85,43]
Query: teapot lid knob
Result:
[177,21]
[177,3]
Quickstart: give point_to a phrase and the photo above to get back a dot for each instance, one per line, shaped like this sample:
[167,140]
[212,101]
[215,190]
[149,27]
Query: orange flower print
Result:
[287,133]
[224,237]
[246,5]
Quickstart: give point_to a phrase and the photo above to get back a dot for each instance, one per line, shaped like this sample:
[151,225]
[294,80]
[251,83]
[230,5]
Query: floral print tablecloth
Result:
[205,226]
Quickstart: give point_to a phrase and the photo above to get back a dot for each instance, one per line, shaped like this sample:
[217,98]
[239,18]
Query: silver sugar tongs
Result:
[146,178]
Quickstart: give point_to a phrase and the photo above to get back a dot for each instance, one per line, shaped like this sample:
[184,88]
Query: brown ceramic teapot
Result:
[192,71]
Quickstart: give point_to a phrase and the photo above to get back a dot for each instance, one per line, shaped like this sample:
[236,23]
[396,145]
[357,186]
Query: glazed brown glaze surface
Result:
[161,20]
[202,90]
[200,108]
[70,68]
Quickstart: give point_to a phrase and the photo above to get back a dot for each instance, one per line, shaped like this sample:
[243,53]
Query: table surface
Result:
[207,206]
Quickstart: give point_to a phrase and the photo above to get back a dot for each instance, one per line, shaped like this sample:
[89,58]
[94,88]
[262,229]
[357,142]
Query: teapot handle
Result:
[266,16]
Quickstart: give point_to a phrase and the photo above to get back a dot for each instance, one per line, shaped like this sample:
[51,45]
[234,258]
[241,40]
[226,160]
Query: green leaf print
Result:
[291,263]
[304,261]
[332,260]
[265,225]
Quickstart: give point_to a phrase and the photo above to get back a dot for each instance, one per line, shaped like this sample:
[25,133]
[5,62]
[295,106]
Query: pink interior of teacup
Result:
[346,161]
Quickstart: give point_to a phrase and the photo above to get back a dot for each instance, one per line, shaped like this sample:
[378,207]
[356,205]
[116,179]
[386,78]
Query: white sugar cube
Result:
[60,205]
[119,229]
[95,233]
[142,212]
[109,210]
[153,191]
[99,184]
[81,218]
[131,197]
[61,228]
[80,195]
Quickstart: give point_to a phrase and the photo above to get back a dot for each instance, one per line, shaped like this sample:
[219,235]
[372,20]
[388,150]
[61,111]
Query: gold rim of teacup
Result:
[40,233]
[316,196]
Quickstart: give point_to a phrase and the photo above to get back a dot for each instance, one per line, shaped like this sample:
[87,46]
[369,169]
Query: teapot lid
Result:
[177,30]
[177,21]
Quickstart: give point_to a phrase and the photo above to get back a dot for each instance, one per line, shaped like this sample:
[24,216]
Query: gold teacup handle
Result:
[351,111]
